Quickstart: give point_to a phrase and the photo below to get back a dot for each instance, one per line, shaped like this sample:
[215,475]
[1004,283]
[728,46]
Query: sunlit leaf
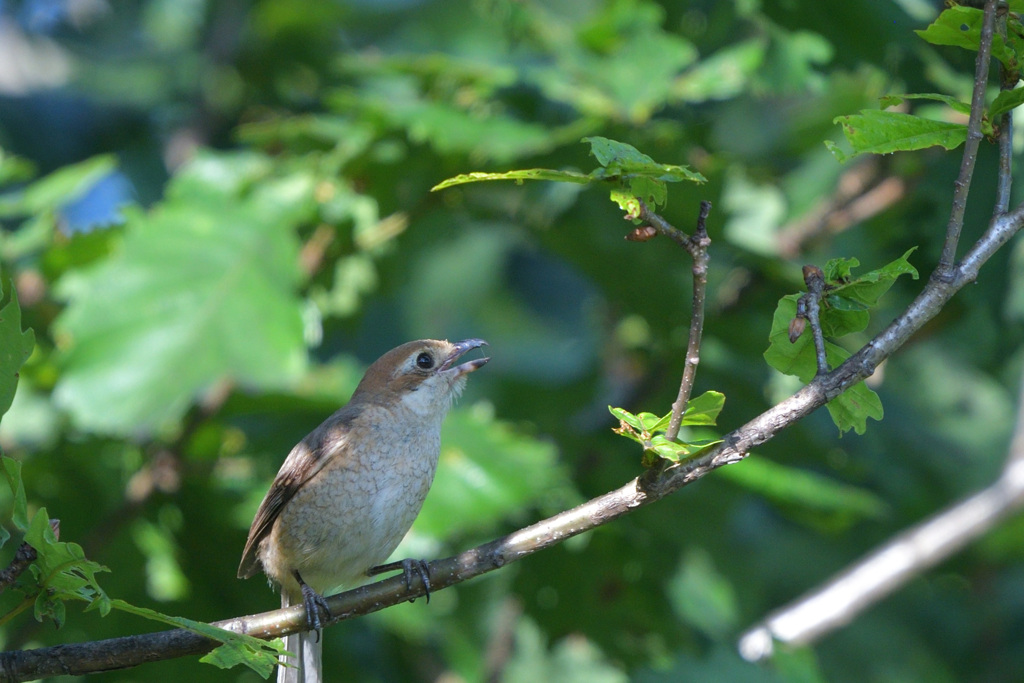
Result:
[202,290]
[960,26]
[518,176]
[704,410]
[885,132]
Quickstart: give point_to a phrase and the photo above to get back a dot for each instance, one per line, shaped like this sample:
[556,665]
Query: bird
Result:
[348,492]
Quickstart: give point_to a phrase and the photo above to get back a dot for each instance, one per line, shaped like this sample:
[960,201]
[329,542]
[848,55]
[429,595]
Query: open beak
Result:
[460,349]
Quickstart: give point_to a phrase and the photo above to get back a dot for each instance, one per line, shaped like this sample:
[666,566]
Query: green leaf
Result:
[19,515]
[850,409]
[1005,101]
[724,74]
[236,648]
[62,572]
[16,346]
[960,26]
[574,659]
[884,132]
[805,489]
[621,159]
[957,105]
[517,176]
[704,410]
[702,596]
[202,290]
[867,289]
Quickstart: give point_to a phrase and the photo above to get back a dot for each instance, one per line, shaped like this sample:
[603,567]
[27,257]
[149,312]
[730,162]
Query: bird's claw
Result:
[409,567]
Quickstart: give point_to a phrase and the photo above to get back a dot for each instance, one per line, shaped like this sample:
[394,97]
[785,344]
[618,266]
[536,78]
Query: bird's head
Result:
[423,375]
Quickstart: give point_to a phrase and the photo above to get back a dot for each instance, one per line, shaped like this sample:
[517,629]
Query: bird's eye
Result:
[424,361]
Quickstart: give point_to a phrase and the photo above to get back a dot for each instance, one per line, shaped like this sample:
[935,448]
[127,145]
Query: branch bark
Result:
[962,186]
[888,568]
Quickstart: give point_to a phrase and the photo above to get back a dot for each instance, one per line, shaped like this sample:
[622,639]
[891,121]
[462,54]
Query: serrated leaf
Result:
[1005,101]
[517,176]
[202,290]
[16,346]
[960,26]
[704,410]
[867,289]
[840,269]
[621,159]
[885,132]
[62,572]
[793,486]
[955,104]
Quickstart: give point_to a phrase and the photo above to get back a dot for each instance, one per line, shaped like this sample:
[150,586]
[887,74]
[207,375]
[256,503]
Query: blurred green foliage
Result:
[216,214]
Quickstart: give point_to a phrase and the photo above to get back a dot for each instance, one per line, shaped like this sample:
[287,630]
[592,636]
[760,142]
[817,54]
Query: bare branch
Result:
[1007,81]
[809,307]
[962,186]
[888,568]
[700,243]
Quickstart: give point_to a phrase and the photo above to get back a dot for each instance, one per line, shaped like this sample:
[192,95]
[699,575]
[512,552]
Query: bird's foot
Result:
[408,567]
[317,611]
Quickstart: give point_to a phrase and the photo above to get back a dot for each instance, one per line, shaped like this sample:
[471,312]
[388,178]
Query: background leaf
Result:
[885,132]
[228,313]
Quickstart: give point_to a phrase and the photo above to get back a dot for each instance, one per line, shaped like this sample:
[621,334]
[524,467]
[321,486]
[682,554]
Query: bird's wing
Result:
[306,459]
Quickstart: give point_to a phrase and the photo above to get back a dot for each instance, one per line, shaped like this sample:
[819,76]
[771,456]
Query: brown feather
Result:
[303,462]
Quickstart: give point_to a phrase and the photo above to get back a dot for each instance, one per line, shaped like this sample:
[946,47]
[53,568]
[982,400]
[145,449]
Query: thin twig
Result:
[700,243]
[815,281]
[1007,81]
[963,182]
[888,568]
[667,229]
[119,653]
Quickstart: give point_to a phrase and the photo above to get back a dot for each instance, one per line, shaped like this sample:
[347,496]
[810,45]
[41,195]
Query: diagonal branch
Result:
[890,566]
[119,653]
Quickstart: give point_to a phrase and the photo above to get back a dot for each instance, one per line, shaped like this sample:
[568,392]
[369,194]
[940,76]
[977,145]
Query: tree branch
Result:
[889,567]
[962,186]
[1007,81]
[119,653]
[699,244]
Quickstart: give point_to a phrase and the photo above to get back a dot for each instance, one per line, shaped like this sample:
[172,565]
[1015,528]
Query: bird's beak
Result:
[459,349]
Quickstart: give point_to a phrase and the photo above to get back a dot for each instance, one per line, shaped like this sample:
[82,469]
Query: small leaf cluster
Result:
[883,132]
[634,176]
[648,429]
[847,300]
[60,572]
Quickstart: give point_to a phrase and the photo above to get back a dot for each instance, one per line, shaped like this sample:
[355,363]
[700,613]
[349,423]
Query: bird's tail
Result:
[306,666]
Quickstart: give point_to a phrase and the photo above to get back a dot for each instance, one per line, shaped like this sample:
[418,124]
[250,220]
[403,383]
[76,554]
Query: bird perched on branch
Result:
[348,492]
